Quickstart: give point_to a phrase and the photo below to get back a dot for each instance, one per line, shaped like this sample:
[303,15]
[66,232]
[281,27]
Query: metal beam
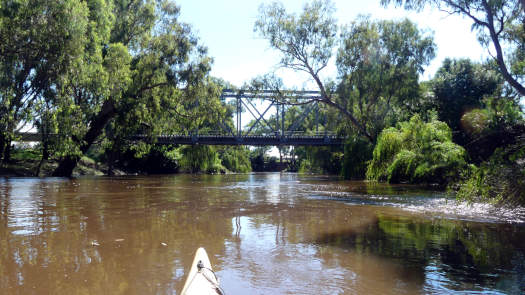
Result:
[245,140]
[278,136]
[303,115]
[282,120]
[256,140]
[272,94]
[260,117]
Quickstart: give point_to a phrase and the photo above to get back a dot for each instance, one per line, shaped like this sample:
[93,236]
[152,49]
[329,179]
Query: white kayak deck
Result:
[201,280]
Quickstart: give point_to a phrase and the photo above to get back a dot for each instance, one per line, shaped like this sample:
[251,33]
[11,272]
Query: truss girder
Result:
[279,135]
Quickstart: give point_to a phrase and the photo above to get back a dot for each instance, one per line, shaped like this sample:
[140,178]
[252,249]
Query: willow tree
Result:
[378,62]
[416,151]
[500,28]
[137,68]
[40,41]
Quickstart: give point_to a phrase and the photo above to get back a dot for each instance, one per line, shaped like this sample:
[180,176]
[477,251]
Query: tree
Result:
[357,153]
[374,59]
[45,122]
[235,158]
[40,41]
[147,66]
[379,63]
[305,42]
[200,158]
[460,86]
[499,24]
[482,111]
[499,179]
[417,152]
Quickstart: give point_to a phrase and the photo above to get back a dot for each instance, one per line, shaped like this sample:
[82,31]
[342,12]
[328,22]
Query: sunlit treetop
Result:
[500,28]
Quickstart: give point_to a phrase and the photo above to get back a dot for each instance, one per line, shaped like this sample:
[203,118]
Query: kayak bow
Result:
[201,279]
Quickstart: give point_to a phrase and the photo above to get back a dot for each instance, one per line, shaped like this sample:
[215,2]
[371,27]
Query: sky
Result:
[226,28]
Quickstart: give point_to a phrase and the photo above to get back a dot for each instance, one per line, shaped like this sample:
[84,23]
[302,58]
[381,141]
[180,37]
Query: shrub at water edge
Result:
[499,180]
[417,152]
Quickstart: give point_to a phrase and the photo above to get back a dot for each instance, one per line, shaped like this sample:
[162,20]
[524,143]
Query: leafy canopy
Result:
[378,62]
[40,41]
[305,41]
[459,86]
[416,152]
[499,25]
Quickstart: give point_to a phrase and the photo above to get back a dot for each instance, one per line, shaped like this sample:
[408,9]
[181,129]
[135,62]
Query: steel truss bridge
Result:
[277,133]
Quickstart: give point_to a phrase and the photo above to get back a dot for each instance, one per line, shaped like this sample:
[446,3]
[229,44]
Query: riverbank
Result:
[27,162]
[29,167]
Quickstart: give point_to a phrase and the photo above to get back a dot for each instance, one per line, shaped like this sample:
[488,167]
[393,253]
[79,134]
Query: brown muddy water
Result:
[265,234]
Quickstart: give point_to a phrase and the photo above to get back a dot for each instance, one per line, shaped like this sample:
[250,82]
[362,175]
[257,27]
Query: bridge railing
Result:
[278,134]
[217,138]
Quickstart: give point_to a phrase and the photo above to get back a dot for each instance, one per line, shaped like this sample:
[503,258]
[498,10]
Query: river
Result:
[267,233]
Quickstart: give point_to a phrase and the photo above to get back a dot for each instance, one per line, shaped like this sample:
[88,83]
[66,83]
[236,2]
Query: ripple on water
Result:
[436,205]
[469,211]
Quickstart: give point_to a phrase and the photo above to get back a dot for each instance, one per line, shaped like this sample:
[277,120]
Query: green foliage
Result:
[499,180]
[310,35]
[378,62]
[475,122]
[41,40]
[305,166]
[498,114]
[499,26]
[460,86]
[25,154]
[200,158]
[416,152]
[139,158]
[100,69]
[357,153]
[235,158]
[257,158]
[320,159]
[494,126]
[502,113]
[306,43]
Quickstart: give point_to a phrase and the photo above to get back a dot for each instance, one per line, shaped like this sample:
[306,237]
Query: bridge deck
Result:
[257,140]
[245,140]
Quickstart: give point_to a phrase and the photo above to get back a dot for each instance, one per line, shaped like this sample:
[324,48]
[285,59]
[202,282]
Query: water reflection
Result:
[266,234]
[443,254]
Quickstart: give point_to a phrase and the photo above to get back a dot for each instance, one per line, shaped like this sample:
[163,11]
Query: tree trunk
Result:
[112,157]
[45,153]
[2,148]
[107,112]
[111,164]
[66,166]
[327,100]
[7,150]
[39,167]
[349,115]
[500,59]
